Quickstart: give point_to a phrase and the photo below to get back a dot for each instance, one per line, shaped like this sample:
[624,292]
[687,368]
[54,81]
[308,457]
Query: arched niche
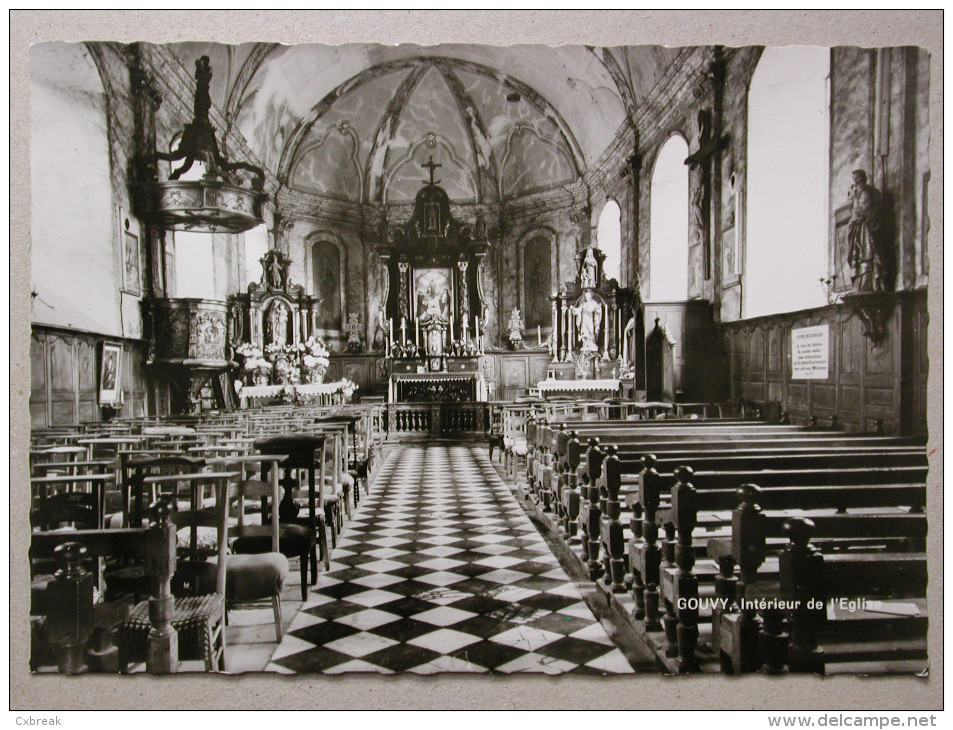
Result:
[327,281]
[787,181]
[536,266]
[609,240]
[668,247]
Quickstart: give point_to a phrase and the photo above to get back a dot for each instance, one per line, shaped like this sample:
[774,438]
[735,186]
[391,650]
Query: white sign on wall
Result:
[809,353]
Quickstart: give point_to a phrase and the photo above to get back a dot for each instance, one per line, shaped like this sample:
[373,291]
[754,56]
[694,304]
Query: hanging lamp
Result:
[226,199]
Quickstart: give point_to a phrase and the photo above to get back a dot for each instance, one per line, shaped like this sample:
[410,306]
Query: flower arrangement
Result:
[347,388]
[314,359]
[274,351]
[314,352]
[252,358]
[828,284]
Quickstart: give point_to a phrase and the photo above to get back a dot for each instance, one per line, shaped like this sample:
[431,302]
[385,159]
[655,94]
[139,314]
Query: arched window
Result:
[537,282]
[326,275]
[668,247]
[609,240]
[787,181]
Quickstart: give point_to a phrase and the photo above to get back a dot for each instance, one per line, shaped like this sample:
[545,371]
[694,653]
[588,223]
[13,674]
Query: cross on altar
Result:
[431,165]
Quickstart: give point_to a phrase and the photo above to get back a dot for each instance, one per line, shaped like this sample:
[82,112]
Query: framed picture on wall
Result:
[131,264]
[110,374]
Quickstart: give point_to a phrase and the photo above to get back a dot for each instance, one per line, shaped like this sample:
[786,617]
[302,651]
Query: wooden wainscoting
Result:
[64,376]
[866,382]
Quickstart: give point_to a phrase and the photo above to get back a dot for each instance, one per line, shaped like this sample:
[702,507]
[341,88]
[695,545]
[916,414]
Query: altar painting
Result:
[433,293]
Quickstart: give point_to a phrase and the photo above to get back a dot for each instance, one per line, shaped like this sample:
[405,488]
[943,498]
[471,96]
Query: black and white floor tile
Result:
[441,571]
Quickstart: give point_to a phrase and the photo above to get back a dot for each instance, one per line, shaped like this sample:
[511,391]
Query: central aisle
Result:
[441,570]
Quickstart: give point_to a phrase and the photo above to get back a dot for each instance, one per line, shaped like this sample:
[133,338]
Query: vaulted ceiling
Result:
[356,122]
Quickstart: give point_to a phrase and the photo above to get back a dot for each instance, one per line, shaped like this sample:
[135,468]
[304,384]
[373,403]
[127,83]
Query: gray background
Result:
[828,28]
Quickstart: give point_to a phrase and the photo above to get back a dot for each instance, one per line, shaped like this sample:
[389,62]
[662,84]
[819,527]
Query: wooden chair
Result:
[258,563]
[133,473]
[305,454]
[196,608]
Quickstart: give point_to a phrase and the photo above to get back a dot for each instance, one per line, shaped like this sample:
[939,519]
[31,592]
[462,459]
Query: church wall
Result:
[74,210]
[64,381]
[903,176]
[90,266]
[868,383]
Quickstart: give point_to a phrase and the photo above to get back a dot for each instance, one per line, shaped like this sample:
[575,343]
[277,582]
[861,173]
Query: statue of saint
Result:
[515,326]
[588,316]
[380,338]
[589,270]
[278,324]
[864,247]
[274,273]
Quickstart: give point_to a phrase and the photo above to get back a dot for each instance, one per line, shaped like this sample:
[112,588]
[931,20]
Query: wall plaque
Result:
[810,354]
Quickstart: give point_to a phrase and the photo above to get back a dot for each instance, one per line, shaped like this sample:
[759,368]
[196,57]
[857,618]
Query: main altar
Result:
[433,303]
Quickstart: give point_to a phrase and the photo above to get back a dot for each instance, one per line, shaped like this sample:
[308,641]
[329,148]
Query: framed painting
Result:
[433,291]
[131,264]
[110,374]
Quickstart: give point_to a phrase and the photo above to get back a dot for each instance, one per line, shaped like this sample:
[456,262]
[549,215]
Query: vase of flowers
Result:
[313,354]
[254,365]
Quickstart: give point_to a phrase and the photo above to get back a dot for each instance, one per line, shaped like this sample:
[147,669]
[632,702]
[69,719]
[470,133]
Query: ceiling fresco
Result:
[355,122]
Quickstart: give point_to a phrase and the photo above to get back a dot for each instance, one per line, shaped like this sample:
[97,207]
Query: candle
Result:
[451,331]
[390,336]
[478,333]
[539,336]
[417,331]
[403,331]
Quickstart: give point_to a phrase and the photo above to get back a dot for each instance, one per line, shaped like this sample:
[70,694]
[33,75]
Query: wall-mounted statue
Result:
[865,244]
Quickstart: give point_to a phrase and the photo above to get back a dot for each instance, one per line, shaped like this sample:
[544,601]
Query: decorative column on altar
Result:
[403,297]
[463,297]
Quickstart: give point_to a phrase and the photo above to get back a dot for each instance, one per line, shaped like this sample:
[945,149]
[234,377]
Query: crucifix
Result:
[431,165]
[703,159]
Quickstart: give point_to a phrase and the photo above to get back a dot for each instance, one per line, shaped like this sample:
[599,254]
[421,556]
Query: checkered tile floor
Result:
[441,571]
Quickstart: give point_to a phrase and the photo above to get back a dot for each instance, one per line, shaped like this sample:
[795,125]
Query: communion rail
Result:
[420,421]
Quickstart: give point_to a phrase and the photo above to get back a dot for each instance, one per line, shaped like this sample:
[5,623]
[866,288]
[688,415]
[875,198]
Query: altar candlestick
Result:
[403,330]
[478,334]
[417,332]
[539,336]
[390,337]
[451,331]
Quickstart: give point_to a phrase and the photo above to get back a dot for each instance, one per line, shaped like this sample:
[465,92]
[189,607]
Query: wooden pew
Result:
[714,451]
[830,617]
[678,576]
